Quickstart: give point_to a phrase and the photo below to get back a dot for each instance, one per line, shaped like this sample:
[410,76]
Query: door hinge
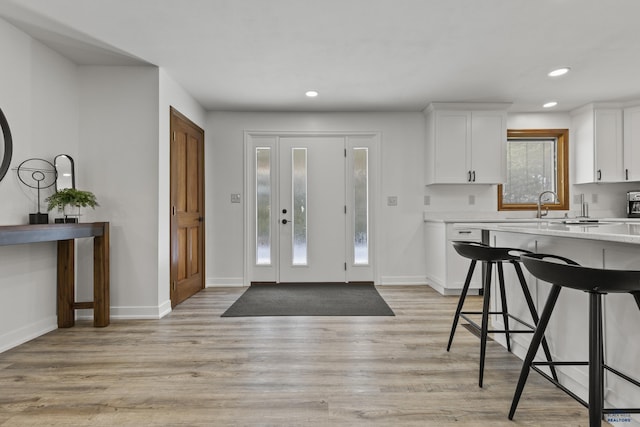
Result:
[173,210]
[345,266]
[174,285]
[345,209]
[345,152]
[174,135]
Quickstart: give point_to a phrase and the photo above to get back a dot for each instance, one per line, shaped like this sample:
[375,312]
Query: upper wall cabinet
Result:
[466,143]
[631,139]
[598,143]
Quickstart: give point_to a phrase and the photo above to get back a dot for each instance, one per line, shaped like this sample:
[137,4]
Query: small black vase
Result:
[38,218]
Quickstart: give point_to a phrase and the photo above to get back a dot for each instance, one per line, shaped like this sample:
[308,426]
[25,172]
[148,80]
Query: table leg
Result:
[101,299]
[66,283]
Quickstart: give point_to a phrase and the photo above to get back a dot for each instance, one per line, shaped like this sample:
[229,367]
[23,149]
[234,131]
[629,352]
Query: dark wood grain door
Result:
[187,208]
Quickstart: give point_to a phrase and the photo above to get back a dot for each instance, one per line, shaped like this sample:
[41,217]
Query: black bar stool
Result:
[561,272]
[493,255]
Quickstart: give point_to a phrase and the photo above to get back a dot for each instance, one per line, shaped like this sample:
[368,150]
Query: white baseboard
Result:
[132,312]
[449,291]
[437,285]
[27,333]
[224,282]
[403,280]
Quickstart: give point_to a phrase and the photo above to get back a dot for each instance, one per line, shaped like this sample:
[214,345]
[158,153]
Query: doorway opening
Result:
[311,208]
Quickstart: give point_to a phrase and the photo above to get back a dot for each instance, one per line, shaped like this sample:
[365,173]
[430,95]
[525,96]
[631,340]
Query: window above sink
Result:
[537,161]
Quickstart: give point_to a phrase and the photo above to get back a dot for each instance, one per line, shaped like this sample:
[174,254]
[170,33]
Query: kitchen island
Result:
[612,244]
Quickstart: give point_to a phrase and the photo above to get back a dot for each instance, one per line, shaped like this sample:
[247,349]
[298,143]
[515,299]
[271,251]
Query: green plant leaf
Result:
[71,197]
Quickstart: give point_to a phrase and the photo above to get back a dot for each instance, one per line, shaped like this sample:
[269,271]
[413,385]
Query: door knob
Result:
[284,221]
[284,211]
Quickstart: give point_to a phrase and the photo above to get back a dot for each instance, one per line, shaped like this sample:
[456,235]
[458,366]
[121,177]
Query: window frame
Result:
[562,169]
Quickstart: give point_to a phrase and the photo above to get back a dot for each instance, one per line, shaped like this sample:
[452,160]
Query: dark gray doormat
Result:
[310,299]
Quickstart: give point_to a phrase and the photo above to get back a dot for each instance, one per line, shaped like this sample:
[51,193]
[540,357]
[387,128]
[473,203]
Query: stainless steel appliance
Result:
[633,204]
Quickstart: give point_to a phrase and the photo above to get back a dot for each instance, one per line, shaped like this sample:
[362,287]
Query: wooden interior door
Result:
[187,208]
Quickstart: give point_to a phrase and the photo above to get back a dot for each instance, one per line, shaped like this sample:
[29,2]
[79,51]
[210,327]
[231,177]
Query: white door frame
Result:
[372,139]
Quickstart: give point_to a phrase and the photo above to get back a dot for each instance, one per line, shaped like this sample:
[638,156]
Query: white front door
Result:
[311,215]
[312,209]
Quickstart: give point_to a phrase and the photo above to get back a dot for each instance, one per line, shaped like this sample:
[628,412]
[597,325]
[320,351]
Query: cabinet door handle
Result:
[464,232]
[474,176]
[599,174]
[626,174]
[469,176]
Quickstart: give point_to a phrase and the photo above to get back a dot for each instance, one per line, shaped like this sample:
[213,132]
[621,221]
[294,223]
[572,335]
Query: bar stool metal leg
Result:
[596,396]
[485,320]
[534,315]
[503,302]
[463,295]
[533,347]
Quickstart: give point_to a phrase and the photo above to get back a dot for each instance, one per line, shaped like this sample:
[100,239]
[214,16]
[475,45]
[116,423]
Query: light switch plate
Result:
[392,201]
[235,198]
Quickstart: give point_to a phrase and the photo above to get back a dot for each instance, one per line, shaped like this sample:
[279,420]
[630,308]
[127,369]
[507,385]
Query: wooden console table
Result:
[65,235]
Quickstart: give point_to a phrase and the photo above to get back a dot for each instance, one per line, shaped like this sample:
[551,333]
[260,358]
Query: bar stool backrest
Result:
[565,272]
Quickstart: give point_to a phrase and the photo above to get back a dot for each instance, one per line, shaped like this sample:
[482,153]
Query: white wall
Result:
[402,249]
[135,140]
[39,97]
[125,138]
[114,122]
[119,136]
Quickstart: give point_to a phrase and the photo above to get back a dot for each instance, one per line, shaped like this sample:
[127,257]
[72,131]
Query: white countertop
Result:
[455,220]
[621,230]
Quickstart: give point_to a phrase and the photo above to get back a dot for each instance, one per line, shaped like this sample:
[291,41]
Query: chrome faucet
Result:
[540,214]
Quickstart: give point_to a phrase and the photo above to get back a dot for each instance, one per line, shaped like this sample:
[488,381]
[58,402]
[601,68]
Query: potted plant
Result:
[70,200]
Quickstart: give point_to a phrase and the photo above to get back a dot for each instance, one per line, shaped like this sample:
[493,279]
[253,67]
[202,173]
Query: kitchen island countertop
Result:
[609,230]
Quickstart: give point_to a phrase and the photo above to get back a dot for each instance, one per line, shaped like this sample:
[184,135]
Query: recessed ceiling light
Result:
[311,93]
[550,104]
[559,72]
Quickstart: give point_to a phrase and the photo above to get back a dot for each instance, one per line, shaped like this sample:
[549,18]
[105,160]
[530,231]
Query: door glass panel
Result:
[299,183]
[263,206]
[360,204]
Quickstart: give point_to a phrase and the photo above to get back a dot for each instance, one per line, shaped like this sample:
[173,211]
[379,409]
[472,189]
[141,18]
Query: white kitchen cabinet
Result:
[466,143]
[598,139]
[446,269]
[631,122]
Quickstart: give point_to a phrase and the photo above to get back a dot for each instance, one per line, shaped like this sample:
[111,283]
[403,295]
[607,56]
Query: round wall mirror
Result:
[6,146]
[65,174]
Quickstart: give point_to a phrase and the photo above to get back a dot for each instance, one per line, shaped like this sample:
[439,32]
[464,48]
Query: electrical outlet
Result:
[392,201]
[576,199]
[235,198]
[427,200]
[594,198]
[472,199]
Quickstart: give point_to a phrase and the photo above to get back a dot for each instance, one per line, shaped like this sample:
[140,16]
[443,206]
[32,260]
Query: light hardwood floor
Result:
[195,368]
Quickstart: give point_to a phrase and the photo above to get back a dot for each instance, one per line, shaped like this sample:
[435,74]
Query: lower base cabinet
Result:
[446,270]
